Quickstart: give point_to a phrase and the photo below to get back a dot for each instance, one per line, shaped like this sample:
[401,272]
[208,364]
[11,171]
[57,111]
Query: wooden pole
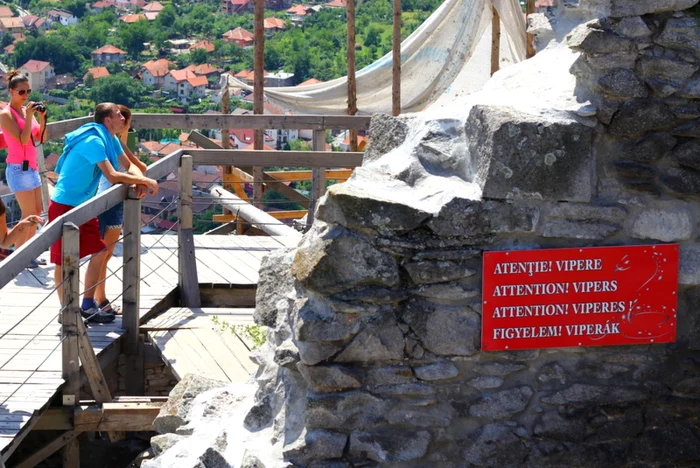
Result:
[187,271]
[131,284]
[396,61]
[495,41]
[258,103]
[352,84]
[41,165]
[530,9]
[69,318]
[318,177]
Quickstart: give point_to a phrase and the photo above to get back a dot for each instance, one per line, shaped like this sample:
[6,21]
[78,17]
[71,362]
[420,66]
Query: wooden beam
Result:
[530,9]
[70,315]
[50,448]
[235,296]
[352,82]
[117,416]
[187,263]
[295,176]
[396,60]
[495,41]
[242,158]
[318,179]
[132,273]
[262,122]
[282,214]
[93,371]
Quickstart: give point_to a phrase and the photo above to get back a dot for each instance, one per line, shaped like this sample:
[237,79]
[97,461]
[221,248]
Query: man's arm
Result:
[116,177]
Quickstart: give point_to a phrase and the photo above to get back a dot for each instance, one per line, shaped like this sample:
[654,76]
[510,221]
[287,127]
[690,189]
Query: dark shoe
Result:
[107,306]
[97,315]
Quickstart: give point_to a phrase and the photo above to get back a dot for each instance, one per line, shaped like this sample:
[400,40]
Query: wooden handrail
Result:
[275,158]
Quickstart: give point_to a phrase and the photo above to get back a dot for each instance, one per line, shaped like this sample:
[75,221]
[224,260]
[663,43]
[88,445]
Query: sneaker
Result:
[97,315]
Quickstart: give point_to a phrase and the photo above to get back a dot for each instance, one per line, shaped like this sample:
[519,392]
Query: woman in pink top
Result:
[22,173]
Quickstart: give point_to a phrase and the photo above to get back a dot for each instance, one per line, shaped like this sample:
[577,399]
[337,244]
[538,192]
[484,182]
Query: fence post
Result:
[131,293]
[187,263]
[495,41]
[70,314]
[318,177]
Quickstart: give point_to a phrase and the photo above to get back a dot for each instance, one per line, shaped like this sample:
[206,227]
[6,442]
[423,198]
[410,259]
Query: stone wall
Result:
[374,351]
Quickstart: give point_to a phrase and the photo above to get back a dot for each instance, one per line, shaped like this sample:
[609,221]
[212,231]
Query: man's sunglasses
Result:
[22,92]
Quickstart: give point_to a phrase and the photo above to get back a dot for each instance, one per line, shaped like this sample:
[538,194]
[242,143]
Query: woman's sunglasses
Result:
[22,92]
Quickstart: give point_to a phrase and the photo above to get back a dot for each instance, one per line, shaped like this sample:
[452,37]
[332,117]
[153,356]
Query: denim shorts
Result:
[113,218]
[21,181]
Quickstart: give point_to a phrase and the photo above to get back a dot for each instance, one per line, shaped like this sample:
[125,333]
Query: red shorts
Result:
[90,241]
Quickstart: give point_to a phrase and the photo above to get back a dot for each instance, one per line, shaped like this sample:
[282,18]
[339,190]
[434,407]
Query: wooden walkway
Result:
[30,344]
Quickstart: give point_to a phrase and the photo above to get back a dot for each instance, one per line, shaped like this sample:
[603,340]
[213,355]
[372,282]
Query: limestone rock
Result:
[486,383]
[473,218]
[442,149]
[331,378]
[429,272]
[161,443]
[421,415]
[681,33]
[378,342]
[689,271]
[496,445]
[639,116]
[497,369]
[587,38]
[316,445]
[175,412]
[259,415]
[442,329]
[345,410]
[578,230]
[580,212]
[275,282]
[691,89]
[436,371]
[502,404]
[386,133]
[389,446]
[688,130]
[389,375]
[511,151]
[623,83]
[552,425]
[316,264]
[621,8]
[251,461]
[672,222]
[316,322]
[633,27]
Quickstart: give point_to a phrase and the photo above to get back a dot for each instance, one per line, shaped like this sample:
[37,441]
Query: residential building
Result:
[179,46]
[309,82]
[297,13]
[203,44]
[132,18]
[273,25]
[239,36]
[65,82]
[153,7]
[10,50]
[108,54]
[64,17]
[97,72]
[6,12]
[186,84]
[336,4]
[11,25]
[236,7]
[37,72]
[154,72]
[278,79]
[209,71]
[99,6]
[34,22]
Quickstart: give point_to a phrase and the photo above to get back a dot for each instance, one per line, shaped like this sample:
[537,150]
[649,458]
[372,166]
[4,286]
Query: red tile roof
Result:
[310,81]
[108,49]
[181,75]
[12,23]
[5,12]
[203,44]
[97,72]
[195,81]
[153,7]
[238,34]
[274,23]
[132,18]
[337,4]
[159,67]
[204,69]
[298,10]
[35,66]
[244,135]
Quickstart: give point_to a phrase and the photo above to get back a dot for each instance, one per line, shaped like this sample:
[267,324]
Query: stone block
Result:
[386,133]
[549,154]
[681,33]
[689,272]
[496,445]
[376,342]
[330,378]
[681,180]
[639,116]
[321,265]
[586,230]
[622,83]
[621,8]
[667,223]
[316,322]
[688,154]
[472,218]
[389,445]
[315,445]
[502,404]
[275,283]
[587,394]
[554,426]
[633,27]
[436,371]
[345,410]
[444,330]
[589,39]
[432,271]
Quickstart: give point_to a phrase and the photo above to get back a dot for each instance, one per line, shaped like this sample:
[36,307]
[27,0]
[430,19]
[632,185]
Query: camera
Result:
[39,107]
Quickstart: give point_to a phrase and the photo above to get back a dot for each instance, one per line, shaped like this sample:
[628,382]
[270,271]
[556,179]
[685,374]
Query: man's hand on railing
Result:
[140,190]
[152,185]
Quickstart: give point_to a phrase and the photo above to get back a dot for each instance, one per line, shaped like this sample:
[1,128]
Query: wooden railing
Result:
[75,343]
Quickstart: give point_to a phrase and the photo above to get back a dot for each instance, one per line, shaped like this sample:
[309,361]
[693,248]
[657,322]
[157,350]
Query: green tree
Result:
[198,56]
[133,37]
[50,48]
[119,88]
[166,18]
[373,37]
[89,80]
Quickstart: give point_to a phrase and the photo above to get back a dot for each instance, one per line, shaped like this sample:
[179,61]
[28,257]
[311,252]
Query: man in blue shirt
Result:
[89,152]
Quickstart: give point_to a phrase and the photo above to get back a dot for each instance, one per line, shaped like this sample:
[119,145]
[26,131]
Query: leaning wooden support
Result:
[187,273]
[71,451]
[257,217]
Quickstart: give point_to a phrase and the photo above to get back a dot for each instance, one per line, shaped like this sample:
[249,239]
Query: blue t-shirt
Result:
[80,173]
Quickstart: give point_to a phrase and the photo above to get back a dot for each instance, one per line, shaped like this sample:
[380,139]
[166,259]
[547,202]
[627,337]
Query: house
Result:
[153,7]
[239,36]
[203,44]
[175,77]
[37,72]
[34,22]
[273,25]
[309,82]
[278,79]
[336,4]
[151,15]
[297,13]
[154,72]
[186,84]
[236,7]
[9,50]
[101,5]
[6,12]
[11,25]
[132,18]
[178,46]
[206,70]
[108,54]
[65,82]
[65,17]
[97,72]
[362,141]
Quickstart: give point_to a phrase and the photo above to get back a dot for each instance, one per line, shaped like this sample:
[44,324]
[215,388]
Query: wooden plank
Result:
[265,158]
[206,366]
[73,455]
[318,179]
[237,367]
[396,59]
[93,371]
[177,360]
[132,273]
[281,122]
[187,263]
[495,41]
[295,176]
[71,314]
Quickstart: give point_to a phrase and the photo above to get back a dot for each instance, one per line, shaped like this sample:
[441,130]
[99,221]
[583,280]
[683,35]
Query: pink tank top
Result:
[16,151]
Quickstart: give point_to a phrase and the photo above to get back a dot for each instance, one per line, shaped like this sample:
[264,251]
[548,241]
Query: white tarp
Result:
[431,58]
